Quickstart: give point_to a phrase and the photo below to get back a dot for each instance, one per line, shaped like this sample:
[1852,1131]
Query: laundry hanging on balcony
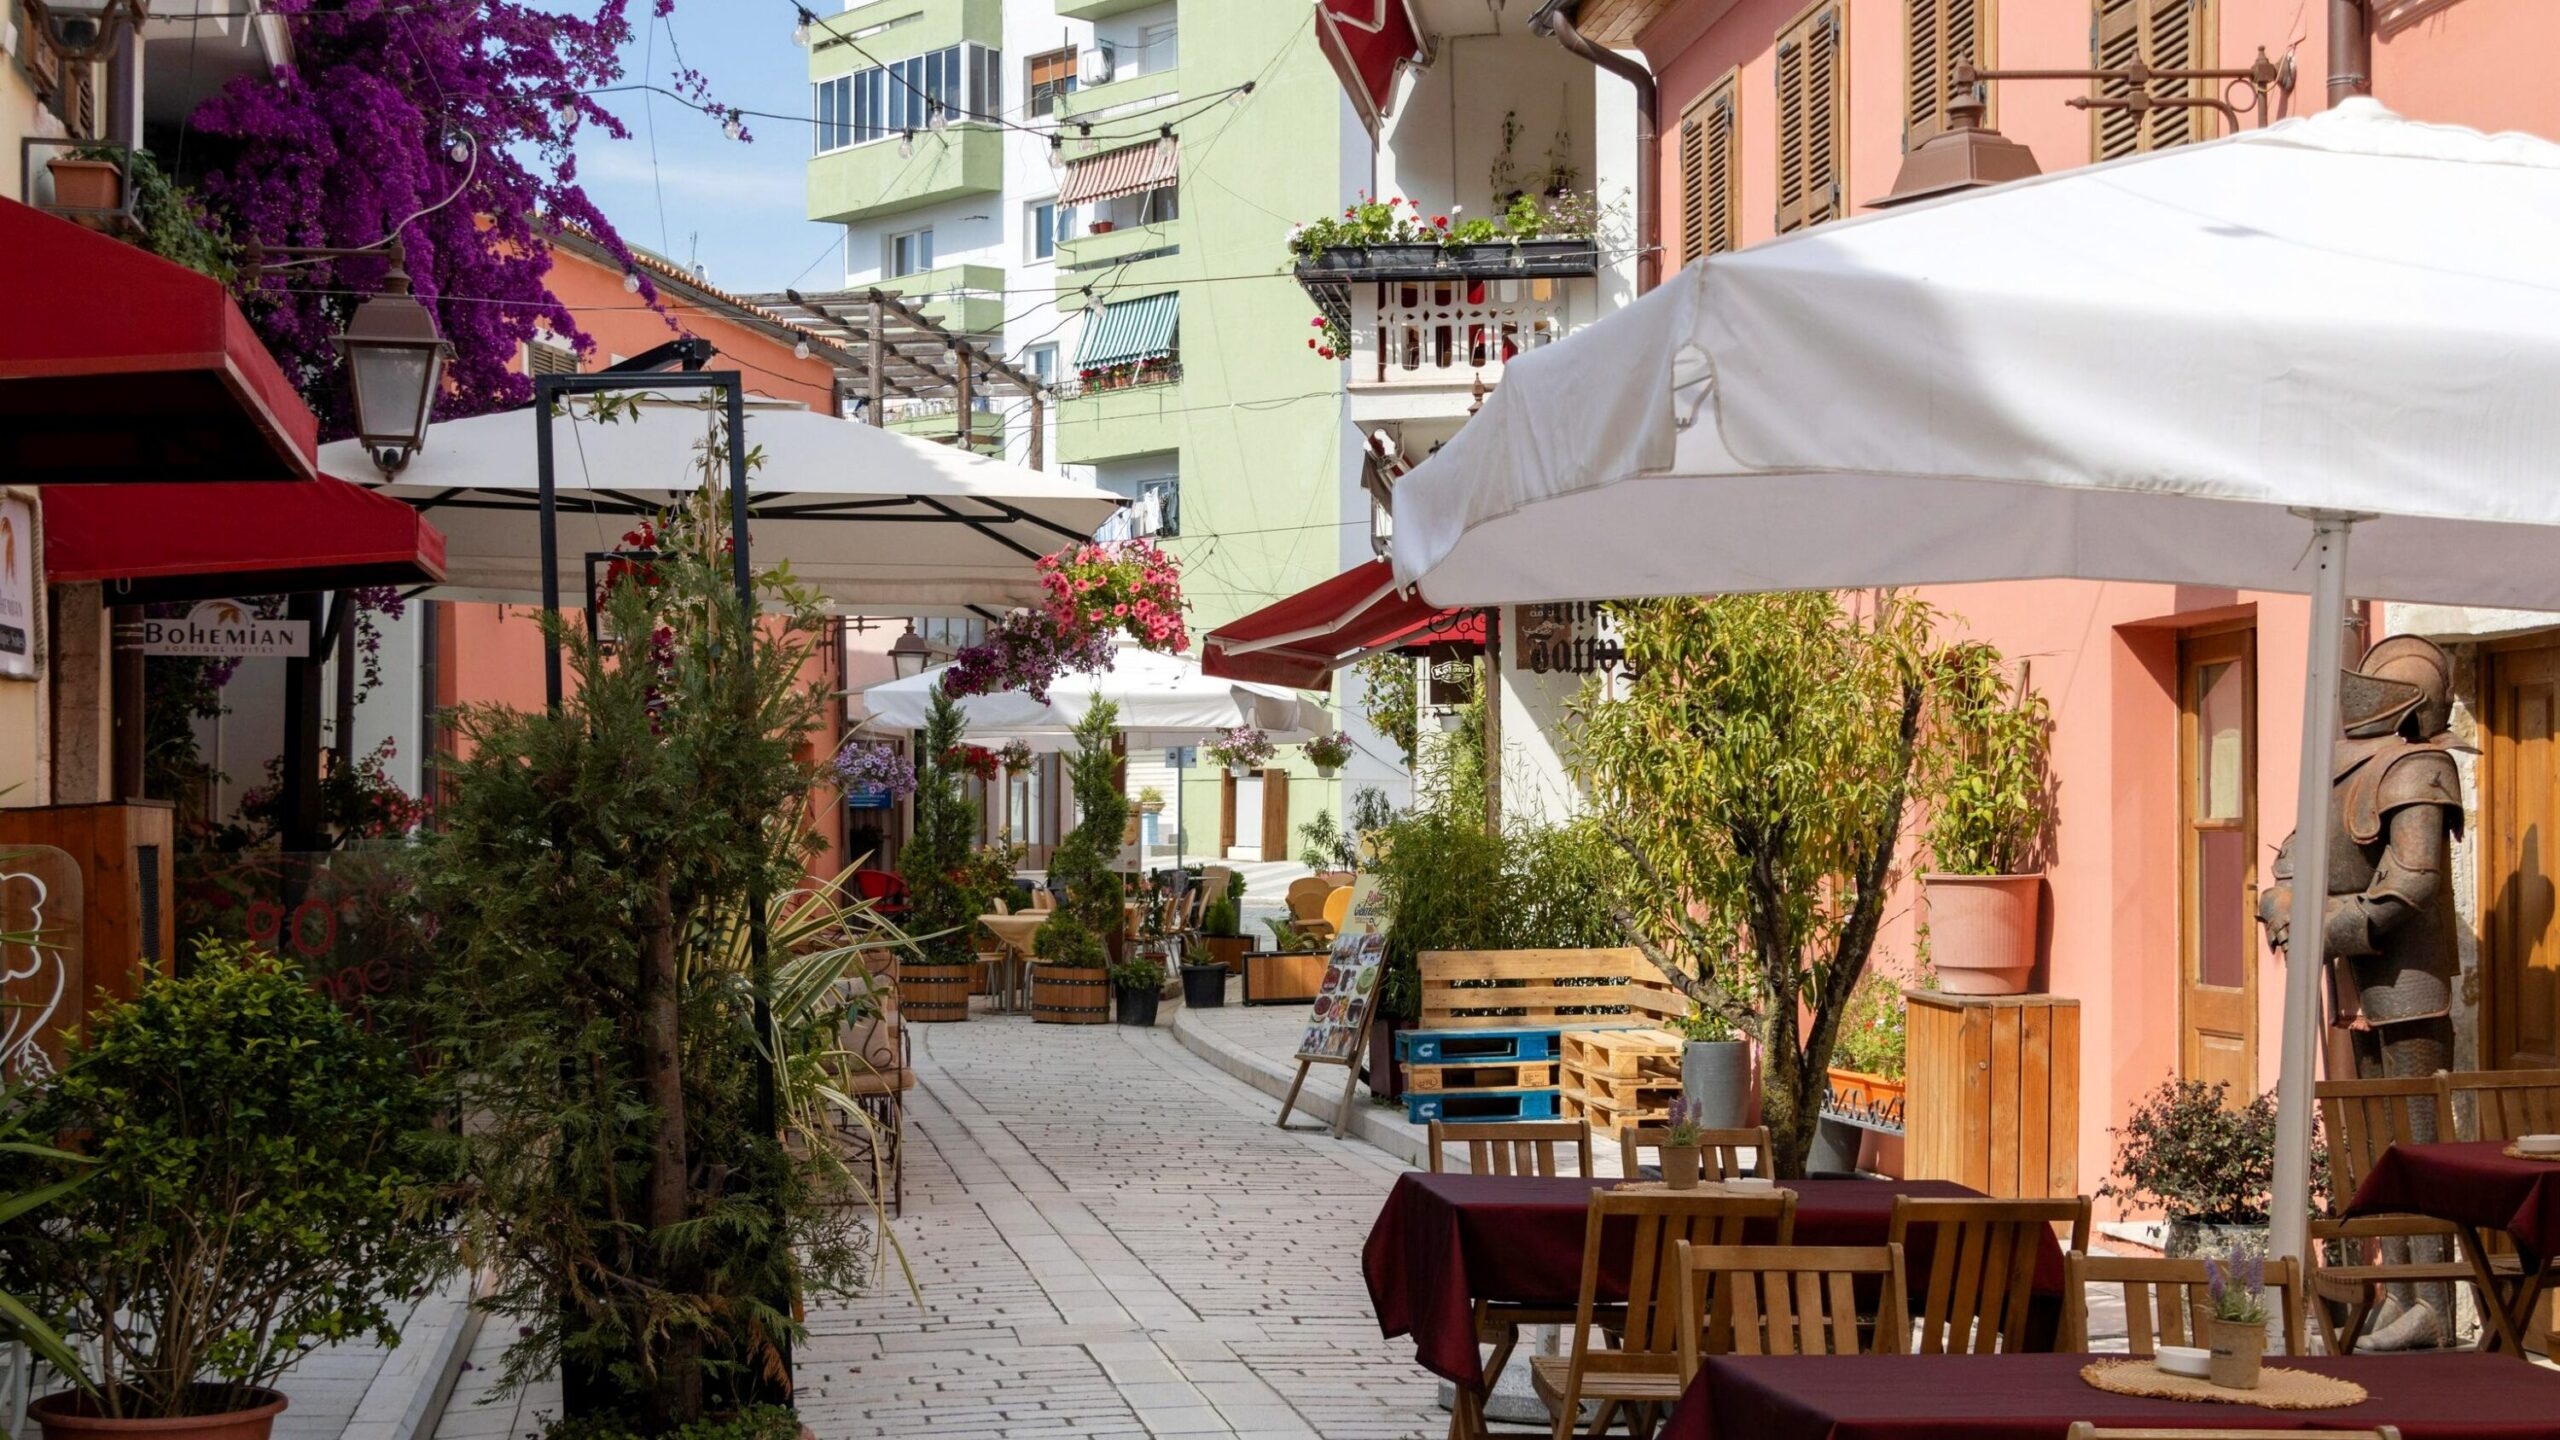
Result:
[1129,332]
[1132,170]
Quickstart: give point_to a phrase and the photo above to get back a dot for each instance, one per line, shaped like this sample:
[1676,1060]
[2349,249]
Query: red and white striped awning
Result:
[1128,171]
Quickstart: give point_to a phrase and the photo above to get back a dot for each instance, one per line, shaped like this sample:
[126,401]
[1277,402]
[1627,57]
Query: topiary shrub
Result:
[1080,867]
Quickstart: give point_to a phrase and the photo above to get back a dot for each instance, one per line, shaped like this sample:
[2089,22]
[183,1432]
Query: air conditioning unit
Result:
[1094,66]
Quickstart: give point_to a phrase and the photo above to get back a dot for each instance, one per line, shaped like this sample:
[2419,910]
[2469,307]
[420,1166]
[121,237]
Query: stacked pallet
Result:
[1616,1078]
[1493,1025]
[1478,1074]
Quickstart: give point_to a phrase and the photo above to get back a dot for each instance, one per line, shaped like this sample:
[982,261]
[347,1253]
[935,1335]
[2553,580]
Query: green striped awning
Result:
[1130,330]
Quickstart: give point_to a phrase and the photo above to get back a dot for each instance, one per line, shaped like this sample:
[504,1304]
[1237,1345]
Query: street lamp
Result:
[395,364]
[84,30]
[910,655]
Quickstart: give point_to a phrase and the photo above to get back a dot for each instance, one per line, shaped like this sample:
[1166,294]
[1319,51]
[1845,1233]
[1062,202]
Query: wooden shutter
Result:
[1709,213]
[1813,118]
[2165,35]
[1693,188]
[1938,36]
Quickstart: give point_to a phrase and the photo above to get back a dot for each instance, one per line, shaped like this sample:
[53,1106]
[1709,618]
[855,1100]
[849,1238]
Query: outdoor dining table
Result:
[2037,1397]
[1014,934]
[2483,1190]
[1443,1242]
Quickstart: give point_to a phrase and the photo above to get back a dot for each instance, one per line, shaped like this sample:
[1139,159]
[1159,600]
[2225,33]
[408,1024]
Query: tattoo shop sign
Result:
[223,628]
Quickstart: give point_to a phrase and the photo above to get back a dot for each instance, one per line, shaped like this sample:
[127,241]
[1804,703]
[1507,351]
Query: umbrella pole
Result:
[2290,1202]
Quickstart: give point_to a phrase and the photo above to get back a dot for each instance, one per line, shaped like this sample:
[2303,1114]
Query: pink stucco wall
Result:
[2105,655]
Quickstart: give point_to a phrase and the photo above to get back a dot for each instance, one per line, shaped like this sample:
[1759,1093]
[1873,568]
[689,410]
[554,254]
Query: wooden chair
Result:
[1513,1147]
[2085,1430]
[2166,1302]
[1982,1266]
[1786,1300]
[2361,1119]
[1720,1151]
[2505,1103]
[1305,898]
[1212,886]
[1642,1373]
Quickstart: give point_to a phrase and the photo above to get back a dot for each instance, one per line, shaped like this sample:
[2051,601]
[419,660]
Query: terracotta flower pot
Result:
[1982,931]
[71,1415]
[86,184]
[1680,1166]
[2239,1349]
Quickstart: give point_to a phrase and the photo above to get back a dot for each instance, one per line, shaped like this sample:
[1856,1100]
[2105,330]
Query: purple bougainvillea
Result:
[361,132]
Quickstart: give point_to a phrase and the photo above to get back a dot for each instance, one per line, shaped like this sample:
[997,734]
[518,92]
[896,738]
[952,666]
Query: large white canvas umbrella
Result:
[875,520]
[1163,699]
[2209,365]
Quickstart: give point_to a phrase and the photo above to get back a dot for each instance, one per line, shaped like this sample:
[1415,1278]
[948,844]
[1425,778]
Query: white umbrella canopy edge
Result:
[2212,364]
[873,519]
[1163,699]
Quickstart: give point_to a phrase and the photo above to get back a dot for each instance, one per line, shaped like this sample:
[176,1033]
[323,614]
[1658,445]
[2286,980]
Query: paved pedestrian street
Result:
[1108,1237]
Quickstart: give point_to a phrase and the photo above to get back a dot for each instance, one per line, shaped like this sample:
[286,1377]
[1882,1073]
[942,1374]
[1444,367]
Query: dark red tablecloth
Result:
[2036,1397]
[2469,1182]
[1443,1242]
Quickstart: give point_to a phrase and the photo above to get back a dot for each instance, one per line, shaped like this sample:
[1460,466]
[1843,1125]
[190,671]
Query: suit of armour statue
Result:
[2395,806]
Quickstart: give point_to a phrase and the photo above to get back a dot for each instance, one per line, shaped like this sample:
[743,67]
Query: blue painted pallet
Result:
[1470,1047]
[1458,1107]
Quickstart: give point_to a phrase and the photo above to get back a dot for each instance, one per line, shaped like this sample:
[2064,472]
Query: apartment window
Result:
[911,253]
[1159,508]
[1047,225]
[835,113]
[1161,203]
[1709,187]
[1812,117]
[960,82]
[1051,76]
[1938,36]
[1042,361]
[1159,48]
[2165,35]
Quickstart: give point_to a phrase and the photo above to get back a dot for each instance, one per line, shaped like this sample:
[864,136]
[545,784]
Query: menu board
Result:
[1338,1023]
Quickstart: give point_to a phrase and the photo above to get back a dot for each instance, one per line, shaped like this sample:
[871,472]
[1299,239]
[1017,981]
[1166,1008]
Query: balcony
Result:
[873,179]
[1100,9]
[1419,346]
[921,25]
[1125,89]
[1121,245]
[967,299]
[1114,416]
[937,419]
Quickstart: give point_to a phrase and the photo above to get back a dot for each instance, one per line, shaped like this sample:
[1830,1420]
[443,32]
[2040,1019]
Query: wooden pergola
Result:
[904,354]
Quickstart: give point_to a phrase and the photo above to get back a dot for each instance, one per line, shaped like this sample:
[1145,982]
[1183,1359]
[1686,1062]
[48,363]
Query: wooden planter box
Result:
[1499,260]
[1283,977]
[1993,1092]
[1228,950]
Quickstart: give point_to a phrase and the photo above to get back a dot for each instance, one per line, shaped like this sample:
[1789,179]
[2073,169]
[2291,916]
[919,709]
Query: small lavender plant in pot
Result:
[2237,1332]
[1680,1148]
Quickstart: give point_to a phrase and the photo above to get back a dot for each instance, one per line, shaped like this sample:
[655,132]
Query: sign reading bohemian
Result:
[221,628]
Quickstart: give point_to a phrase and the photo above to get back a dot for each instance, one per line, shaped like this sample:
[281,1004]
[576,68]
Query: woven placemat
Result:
[2518,1152]
[1703,1187]
[2278,1388]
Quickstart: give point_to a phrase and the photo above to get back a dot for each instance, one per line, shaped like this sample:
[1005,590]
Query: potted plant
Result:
[1681,1151]
[1223,934]
[1204,979]
[1243,750]
[2237,1333]
[2185,1152]
[1862,1118]
[1715,1070]
[86,180]
[1016,755]
[1150,800]
[1990,802]
[274,1202]
[1073,947]
[942,906]
[1329,753]
[1137,987]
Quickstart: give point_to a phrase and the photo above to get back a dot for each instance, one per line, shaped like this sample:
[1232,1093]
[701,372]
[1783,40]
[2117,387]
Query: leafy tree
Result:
[1091,907]
[943,904]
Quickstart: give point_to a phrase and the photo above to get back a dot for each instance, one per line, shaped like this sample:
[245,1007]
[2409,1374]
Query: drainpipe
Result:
[2350,49]
[1556,20]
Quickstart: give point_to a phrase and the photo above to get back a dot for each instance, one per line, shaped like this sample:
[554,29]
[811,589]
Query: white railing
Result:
[1450,331]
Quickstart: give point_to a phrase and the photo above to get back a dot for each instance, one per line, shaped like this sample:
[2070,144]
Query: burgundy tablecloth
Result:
[1443,1242]
[2036,1397]
[2469,1182]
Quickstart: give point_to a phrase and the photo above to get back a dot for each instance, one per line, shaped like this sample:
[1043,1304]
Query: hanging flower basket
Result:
[1243,750]
[1329,753]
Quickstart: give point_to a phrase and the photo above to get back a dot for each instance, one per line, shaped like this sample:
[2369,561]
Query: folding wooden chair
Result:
[2361,1119]
[1786,1300]
[2166,1302]
[1720,1151]
[1982,1266]
[1513,1147]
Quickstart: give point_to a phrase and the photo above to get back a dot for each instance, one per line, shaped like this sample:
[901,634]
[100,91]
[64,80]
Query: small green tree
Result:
[943,905]
[1090,909]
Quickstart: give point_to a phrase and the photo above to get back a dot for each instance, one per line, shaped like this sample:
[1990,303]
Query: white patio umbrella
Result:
[2207,365]
[1164,700]
[874,519]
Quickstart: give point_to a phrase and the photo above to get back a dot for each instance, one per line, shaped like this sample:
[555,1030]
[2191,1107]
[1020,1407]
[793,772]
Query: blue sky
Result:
[736,207]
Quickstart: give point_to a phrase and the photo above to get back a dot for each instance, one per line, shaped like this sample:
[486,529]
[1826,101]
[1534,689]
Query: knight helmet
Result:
[2404,686]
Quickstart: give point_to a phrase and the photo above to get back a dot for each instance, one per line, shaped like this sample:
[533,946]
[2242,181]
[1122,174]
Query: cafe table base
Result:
[2037,1397]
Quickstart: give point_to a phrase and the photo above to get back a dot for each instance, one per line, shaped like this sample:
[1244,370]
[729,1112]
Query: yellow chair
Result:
[1337,910]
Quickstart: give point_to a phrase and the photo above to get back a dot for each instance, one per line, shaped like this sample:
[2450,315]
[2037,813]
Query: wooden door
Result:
[2519,828]
[1275,814]
[2218,943]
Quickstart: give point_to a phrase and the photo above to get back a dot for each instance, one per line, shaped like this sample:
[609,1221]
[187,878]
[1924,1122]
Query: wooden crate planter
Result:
[1283,977]
[1070,995]
[1992,1095]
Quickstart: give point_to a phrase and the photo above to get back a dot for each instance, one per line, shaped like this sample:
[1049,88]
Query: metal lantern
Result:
[395,363]
[910,655]
[84,30]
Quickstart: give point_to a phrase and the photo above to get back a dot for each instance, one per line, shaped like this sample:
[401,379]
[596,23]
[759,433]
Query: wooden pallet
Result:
[1641,1092]
[1622,1054]
[1522,989]
[1608,1119]
[1475,1047]
[1462,1106]
[1536,1075]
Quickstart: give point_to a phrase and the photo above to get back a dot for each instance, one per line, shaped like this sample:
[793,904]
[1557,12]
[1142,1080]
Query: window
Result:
[1042,361]
[1813,118]
[1159,508]
[1051,76]
[2165,35]
[1047,224]
[544,355]
[1159,48]
[1938,36]
[958,82]
[1708,185]
[835,113]
[911,253]
[1161,203]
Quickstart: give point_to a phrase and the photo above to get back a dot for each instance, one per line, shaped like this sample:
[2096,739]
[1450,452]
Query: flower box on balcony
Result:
[1497,260]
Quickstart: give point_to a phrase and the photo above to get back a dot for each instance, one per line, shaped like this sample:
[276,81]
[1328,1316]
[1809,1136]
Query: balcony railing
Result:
[1155,372]
[1453,331]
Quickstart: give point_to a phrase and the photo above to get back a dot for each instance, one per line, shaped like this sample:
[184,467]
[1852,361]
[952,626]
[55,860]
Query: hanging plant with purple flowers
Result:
[873,764]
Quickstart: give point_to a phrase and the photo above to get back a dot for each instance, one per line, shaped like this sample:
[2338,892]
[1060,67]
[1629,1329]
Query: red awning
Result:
[1301,640]
[118,365]
[1129,171]
[199,542]
[1368,41]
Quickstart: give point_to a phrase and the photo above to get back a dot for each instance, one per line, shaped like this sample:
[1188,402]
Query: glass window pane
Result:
[2222,919]
[2221,741]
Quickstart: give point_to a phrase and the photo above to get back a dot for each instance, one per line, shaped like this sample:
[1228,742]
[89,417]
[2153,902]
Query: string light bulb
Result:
[906,144]
[800,350]
[630,282]
[564,111]
[733,127]
[1057,155]
[936,116]
[800,30]
[1237,96]
[457,143]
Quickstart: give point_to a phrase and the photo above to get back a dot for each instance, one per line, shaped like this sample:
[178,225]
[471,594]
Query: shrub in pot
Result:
[1204,980]
[1137,986]
[2205,1166]
[1990,804]
[1221,932]
[255,1190]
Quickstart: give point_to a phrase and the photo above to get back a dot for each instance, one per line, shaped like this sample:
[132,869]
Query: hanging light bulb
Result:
[630,282]
[1237,96]
[936,117]
[457,143]
[564,111]
[800,350]
[906,144]
[1057,155]
[800,31]
[733,127]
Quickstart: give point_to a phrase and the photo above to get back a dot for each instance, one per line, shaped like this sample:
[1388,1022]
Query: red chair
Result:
[886,892]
